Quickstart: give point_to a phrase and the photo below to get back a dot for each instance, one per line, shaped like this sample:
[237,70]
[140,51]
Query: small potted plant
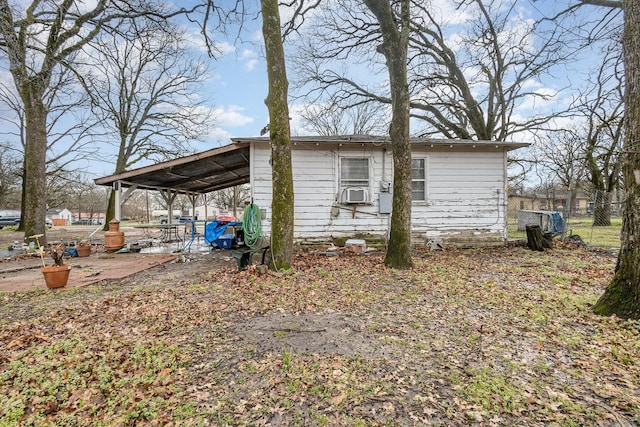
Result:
[83,248]
[57,275]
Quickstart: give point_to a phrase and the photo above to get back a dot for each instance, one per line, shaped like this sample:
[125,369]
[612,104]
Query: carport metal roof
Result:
[198,173]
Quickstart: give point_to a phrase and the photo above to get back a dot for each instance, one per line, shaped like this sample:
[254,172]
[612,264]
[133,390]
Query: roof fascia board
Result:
[381,140]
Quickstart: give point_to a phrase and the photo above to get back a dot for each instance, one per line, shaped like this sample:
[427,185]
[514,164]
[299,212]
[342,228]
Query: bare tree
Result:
[74,190]
[562,154]
[229,198]
[622,296]
[68,126]
[10,180]
[469,86]
[362,119]
[145,86]
[136,206]
[604,111]
[40,38]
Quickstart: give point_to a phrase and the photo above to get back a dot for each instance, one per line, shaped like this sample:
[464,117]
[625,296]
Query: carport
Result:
[193,175]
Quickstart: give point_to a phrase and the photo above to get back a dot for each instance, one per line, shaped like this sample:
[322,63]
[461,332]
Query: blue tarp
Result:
[556,221]
[214,229]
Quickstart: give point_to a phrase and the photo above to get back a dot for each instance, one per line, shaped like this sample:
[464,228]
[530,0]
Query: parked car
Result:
[13,220]
[9,221]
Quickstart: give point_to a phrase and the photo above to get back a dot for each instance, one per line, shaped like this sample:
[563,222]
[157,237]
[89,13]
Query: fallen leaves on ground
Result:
[500,336]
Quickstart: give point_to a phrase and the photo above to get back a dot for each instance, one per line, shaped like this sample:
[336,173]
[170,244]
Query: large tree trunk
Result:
[399,250]
[34,208]
[622,296]
[280,134]
[23,194]
[394,48]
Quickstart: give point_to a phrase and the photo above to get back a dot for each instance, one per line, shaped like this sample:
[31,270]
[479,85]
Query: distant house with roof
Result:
[60,216]
[557,202]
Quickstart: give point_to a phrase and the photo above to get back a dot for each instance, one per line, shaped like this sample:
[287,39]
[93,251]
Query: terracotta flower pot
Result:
[56,276]
[83,250]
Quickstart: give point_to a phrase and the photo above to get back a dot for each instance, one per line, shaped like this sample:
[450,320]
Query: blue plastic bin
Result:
[225,241]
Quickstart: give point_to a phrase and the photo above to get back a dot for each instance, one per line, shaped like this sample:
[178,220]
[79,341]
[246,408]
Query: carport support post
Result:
[117,188]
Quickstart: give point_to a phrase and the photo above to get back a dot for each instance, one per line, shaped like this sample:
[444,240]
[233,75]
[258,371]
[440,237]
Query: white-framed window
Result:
[354,180]
[419,180]
[354,172]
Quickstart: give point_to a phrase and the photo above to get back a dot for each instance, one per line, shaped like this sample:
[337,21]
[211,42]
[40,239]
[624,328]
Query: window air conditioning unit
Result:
[356,195]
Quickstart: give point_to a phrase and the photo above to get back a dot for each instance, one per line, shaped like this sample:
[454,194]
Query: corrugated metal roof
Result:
[202,172]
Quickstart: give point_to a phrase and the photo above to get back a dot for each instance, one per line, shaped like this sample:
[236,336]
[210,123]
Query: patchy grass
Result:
[501,336]
[603,237]
[608,236]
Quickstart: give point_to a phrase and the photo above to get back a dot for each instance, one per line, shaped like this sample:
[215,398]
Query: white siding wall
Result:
[465,191]
[466,196]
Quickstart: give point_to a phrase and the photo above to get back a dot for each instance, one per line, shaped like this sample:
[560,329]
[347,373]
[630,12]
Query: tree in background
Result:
[79,194]
[10,180]
[469,86]
[144,87]
[230,199]
[136,207]
[39,39]
[561,154]
[368,118]
[68,128]
[603,109]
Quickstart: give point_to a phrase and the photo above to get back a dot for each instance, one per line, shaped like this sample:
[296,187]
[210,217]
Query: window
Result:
[354,172]
[418,180]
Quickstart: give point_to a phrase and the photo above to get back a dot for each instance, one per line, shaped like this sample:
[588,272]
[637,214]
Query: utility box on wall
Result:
[384,203]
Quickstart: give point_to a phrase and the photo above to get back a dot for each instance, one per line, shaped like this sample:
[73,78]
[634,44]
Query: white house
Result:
[60,216]
[343,185]
[343,188]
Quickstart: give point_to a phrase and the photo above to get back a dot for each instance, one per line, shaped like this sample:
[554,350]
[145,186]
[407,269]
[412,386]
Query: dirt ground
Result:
[21,272]
[493,337]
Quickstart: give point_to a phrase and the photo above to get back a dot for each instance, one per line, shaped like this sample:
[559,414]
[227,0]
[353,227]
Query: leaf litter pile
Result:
[500,336]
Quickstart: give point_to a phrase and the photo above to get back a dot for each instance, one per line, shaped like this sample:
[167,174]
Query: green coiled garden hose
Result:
[252,225]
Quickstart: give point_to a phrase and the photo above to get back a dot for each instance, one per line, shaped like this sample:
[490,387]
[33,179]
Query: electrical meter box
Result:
[385,203]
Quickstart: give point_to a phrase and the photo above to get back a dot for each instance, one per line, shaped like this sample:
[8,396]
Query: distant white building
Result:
[65,216]
[204,212]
